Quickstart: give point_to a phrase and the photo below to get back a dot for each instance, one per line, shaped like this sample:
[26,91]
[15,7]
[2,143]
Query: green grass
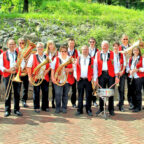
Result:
[101,21]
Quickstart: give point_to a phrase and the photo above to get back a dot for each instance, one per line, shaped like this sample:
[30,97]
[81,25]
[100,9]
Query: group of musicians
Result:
[99,68]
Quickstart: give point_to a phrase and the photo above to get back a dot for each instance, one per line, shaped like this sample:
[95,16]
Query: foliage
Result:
[81,20]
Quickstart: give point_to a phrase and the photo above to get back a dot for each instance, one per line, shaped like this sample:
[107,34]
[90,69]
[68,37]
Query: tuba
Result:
[37,77]
[22,55]
[60,74]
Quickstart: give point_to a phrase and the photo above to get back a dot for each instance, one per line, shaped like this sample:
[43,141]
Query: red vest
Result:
[6,63]
[75,54]
[110,63]
[90,69]
[70,79]
[55,55]
[138,65]
[1,51]
[36,62]
[121,48]
[95,54]
[121,60]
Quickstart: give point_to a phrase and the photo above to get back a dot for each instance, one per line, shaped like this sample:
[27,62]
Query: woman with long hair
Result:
[135,70]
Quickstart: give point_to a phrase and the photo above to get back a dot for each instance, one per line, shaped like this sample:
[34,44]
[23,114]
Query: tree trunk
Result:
[109,2]
[25,7]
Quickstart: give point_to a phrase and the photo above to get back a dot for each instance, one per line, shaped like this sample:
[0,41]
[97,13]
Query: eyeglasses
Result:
[21,43]
[92,41]
[125,39]
[63,51]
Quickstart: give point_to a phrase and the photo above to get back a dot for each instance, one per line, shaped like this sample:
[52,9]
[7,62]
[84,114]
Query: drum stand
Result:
[104,112]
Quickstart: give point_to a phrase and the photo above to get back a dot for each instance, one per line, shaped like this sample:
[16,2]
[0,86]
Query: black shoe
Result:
[89,113]
[18,113]
[99,111]
[122,109]
[64,111]
[24,104]
[7,114]
[78,113]
[53,105]
[111,113]
[46,110]
[37,110]
[57,111]
[136,110]
[74,105]
[131,106]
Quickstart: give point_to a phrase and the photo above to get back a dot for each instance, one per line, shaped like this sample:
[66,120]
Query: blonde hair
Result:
[47,47]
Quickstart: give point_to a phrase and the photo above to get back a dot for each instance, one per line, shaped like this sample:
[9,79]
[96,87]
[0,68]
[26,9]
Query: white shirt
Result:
[104,66]
[124,47]
[51,55]
[84,63]
[62,61]
[92,51]
[70,53]
[116,59]
[12,58]
[133,66]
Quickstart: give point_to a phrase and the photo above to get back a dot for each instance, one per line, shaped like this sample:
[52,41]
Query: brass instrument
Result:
[9,86]
[139,43]
[94,93]
[59,74]
[22,55]
[37,79]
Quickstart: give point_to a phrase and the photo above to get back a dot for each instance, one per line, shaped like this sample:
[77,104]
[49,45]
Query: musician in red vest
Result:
[8,66]
[135,71]
[72,51]
[121,63]
[1,51]
[105,73]
[33,62]
[83,73]
[124,45]
[52,52]
[92,52]
[25,82]
[61,91]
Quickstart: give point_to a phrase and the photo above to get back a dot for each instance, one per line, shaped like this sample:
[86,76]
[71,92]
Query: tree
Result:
[26,6]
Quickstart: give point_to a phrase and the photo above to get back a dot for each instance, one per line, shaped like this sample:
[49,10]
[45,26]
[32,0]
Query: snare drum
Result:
[103,92]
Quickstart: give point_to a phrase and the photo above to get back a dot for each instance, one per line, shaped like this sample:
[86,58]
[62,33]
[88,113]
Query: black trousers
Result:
[121,89]
[73,96]
[129,94]
[61,95]
[84,84]
[16,88]
[135,92]
[0,78]
[36,95]
[25,82]
[106,80]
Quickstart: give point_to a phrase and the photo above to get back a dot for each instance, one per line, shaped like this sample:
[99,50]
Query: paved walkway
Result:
[50,128]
